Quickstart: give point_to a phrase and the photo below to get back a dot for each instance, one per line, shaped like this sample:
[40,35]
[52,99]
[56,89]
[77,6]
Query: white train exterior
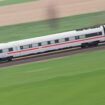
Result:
[84,38]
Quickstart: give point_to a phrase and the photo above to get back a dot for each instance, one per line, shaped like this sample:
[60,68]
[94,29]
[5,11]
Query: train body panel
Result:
[52,42]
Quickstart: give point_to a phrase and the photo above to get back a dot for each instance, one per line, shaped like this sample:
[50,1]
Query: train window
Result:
[39,44]
[10,49]
[82,36]
[93,34]
[72,38]
[34,45]
[21,47]
[77,37]
[99,33]
[44,43]
[57,41]
[1,51]
[48,42]
[66,39]
[51,42]
[62,40]
[30,45]
[26,46]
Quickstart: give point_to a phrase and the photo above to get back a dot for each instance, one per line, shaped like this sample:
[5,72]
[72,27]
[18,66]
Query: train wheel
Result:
[94,44]
[9,59]
[85,45]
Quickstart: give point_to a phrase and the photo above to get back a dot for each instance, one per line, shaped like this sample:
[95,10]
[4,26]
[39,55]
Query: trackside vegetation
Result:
[40,28]
[72,80]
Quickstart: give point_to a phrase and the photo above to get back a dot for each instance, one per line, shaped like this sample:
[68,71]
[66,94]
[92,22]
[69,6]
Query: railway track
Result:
[49,55]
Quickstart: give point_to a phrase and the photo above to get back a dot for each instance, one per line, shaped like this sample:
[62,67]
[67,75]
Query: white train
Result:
[83,37]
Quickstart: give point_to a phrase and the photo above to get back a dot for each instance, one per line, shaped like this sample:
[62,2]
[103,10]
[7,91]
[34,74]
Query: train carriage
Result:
[83,37]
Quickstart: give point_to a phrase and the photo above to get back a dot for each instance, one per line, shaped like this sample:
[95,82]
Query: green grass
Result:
[8,2]
[73,80]
[34,29]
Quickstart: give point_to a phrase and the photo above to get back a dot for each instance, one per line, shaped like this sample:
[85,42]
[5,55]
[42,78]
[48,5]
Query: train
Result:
[84,38]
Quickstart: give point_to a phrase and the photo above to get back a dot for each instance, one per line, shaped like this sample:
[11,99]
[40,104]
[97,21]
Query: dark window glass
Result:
[77,37]
[21,47]
[66,39]
[94,34]
[99,33]
[56,41]
[91,35]
[1,51]
[30,45]
[48,42]
[39,44]
[10,49]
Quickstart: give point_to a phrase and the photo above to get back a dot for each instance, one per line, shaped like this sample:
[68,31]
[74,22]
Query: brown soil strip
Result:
[33,11]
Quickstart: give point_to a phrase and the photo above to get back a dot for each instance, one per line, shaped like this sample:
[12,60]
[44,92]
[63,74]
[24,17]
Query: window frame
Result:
[10,49]
[77,37]
[56,41]
[48,42]
[67,39]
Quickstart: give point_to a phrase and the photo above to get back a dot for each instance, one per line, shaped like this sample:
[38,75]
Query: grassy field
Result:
[8,2]
[34,29]
[73,80]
